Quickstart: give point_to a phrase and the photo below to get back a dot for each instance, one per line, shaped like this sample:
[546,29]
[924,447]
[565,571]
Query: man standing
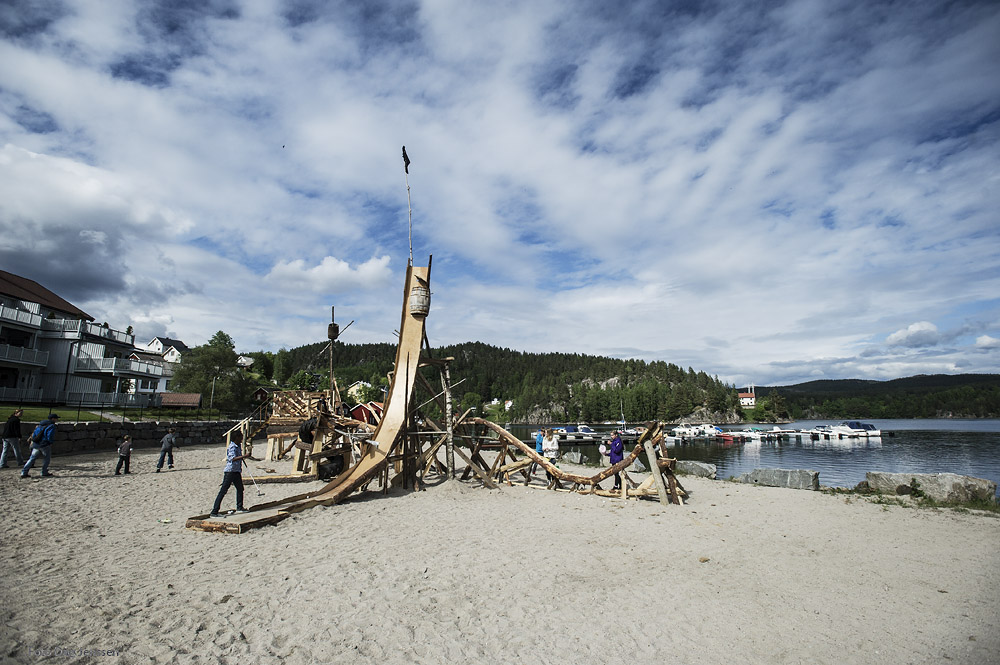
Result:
[12,439]
[41,446]
[167,444]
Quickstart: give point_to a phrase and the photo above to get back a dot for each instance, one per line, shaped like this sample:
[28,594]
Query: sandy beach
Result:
[101,569]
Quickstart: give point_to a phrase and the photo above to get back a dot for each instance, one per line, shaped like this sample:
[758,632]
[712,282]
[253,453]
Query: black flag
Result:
[406,161]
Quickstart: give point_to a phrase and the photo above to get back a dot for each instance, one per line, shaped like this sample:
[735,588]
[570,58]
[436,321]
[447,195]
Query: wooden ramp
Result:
[381,443]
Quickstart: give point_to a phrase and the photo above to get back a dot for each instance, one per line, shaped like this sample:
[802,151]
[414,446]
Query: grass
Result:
[35,414]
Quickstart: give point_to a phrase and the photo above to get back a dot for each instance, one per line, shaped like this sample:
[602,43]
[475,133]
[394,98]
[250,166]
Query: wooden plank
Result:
[655,473]
[475,469]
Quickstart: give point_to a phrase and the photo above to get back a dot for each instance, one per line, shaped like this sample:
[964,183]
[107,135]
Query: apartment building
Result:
[55,353]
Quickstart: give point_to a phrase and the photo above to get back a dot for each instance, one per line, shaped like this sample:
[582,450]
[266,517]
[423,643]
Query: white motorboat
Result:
[854,429]
[684,430]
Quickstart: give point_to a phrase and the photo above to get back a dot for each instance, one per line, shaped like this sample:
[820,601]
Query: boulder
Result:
[944,487]
[701,469]
[797,479]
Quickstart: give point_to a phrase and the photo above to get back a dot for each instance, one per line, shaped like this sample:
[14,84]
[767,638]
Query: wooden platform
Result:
[237,522]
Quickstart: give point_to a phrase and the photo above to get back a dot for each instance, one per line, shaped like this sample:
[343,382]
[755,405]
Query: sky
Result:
[769,192]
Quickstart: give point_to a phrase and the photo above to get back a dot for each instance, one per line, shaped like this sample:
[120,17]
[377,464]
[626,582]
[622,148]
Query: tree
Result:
[211,370]
[282,367]
[471,400]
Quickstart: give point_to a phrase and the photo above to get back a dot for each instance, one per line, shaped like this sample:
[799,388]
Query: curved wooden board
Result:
[393,421]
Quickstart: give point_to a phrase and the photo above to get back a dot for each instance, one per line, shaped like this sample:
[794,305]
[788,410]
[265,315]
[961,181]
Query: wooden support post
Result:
[654,469]
[449,422]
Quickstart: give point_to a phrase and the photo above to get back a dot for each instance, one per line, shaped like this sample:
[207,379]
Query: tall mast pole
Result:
[409,209]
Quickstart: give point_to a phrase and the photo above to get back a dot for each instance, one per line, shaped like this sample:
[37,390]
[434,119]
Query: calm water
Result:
[966,447]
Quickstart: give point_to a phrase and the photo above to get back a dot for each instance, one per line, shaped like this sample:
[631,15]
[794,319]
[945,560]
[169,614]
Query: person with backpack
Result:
[124,454]
[12,439]
[41,446]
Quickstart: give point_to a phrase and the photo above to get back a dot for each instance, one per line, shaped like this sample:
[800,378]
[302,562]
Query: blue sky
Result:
[770,192]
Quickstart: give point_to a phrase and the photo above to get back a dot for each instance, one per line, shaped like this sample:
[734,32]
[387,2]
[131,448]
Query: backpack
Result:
[38,434]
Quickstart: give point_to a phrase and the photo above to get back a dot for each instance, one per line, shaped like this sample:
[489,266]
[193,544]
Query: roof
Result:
[167,343]
[747,395]
[180,399]
[23,288]
[147,356]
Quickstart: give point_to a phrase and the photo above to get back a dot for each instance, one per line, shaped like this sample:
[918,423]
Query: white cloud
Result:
[719,188]
[332,275]
[922,333]
[987,342]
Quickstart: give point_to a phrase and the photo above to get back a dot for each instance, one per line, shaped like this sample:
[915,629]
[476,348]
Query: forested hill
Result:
[569,387]
[544,387]
[921,396]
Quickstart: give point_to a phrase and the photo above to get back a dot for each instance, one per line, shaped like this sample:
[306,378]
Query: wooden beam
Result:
[475,469]
[655,473]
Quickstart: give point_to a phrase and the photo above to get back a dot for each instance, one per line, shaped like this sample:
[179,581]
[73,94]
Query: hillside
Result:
[568,387]
[921,396]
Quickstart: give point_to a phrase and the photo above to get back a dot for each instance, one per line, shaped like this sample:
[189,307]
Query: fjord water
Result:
[965,447]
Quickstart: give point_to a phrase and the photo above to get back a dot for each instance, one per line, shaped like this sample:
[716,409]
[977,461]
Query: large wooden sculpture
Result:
[407,441]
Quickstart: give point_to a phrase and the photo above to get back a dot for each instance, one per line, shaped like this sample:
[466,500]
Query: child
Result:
[124,454]
[232,474]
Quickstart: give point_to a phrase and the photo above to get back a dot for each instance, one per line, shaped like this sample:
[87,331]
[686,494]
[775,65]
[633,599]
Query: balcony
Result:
[20,316]
[20,395]
[19,354]
[80,328]
[118,367]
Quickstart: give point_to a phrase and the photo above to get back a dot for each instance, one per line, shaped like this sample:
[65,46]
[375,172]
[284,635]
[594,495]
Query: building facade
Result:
[53,352]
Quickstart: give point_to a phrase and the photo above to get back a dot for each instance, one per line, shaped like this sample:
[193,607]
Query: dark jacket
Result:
[617,450]
[12,430]
[168,442]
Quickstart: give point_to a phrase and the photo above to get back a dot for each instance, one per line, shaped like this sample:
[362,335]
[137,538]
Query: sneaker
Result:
[118,473]
[157,469]
[214,515]
[26,475]
[170,466]
[52,475]
[127,472]
[242,510]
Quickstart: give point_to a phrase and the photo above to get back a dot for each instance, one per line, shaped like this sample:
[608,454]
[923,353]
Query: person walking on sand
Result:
[550,448]
[41,446]
[232,475]
[12,439]
[124,455]
[538,449]
[617,454]
[167,444]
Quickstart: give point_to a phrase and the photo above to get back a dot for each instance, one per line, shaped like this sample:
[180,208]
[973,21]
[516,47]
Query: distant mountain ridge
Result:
[920,396]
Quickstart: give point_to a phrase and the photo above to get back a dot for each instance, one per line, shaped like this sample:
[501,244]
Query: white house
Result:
[748,399]
[170,352]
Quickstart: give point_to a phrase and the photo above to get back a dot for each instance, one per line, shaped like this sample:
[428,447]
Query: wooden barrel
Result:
[420,301]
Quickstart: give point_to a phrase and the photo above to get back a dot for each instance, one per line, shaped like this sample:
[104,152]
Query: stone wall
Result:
[91,436]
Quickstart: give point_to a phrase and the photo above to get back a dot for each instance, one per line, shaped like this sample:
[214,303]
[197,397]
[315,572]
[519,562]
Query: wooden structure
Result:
[404,448]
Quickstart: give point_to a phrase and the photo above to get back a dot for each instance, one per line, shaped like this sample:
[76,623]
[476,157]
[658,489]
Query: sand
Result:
[457,573]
